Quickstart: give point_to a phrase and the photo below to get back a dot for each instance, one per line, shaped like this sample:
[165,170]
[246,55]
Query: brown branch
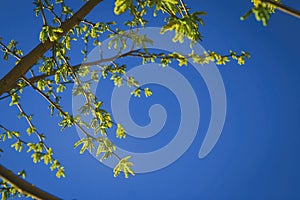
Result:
[23,186]
[8,81]
[133,53]
[283,8]
[43,13]
[76,67]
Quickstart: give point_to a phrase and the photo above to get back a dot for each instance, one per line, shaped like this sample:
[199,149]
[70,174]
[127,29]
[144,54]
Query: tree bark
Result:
[9,80]
[23,186]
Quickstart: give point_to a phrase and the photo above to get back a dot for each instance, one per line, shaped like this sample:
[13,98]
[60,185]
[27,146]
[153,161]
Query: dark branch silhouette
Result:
[23,186]
[8,81]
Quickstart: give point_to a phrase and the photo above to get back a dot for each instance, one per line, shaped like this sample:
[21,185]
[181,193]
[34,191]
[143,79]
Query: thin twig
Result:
[32,73]
[31,125]
[43,13]
[61,111]
[17,137]
[8,50]
[55,15]
[184,7]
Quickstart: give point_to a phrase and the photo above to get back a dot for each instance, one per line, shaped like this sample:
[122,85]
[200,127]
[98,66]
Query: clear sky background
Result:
[257,156]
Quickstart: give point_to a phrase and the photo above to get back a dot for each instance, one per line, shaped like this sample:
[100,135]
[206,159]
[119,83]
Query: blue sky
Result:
[256,156]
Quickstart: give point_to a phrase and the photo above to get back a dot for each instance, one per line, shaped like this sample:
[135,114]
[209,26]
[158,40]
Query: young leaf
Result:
[121,6]
[14,99]
[137,92]
[120,133]
[125,166]
[147,92]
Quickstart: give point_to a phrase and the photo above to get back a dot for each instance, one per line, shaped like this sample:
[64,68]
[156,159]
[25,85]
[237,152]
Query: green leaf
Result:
[120,133]
[246,54]
[261,10]
[55,165]
[57,77]
[4,195]
[68,42]
[30,130]
[131,82]
[222,60]
[22,174]
[118,80]
[122,5]
[86,143]
[67,121]
[98,104]
[241,60]
[18,146]
[182,62]
[147,92]
[95,75]
[60,172]
[58,30]
[137,92]
[14,99]
[124,166]
[44,34]
[36,157]
[60,88]
[186,26]
[106,147]
[48,156]
[5,56]
[79,142]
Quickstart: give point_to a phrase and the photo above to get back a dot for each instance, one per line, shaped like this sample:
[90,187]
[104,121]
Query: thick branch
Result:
[283,8]
[76,67]
[8,81]
[24,187]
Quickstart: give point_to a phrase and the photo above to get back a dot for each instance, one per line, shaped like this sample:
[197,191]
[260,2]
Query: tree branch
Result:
[23,186]
[75,68]
[8,81]
[64,113]
[10,51]
[283,8]
[43,13]
[133,53]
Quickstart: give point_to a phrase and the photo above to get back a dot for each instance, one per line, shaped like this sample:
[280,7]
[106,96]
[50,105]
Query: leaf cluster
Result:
[261,10]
